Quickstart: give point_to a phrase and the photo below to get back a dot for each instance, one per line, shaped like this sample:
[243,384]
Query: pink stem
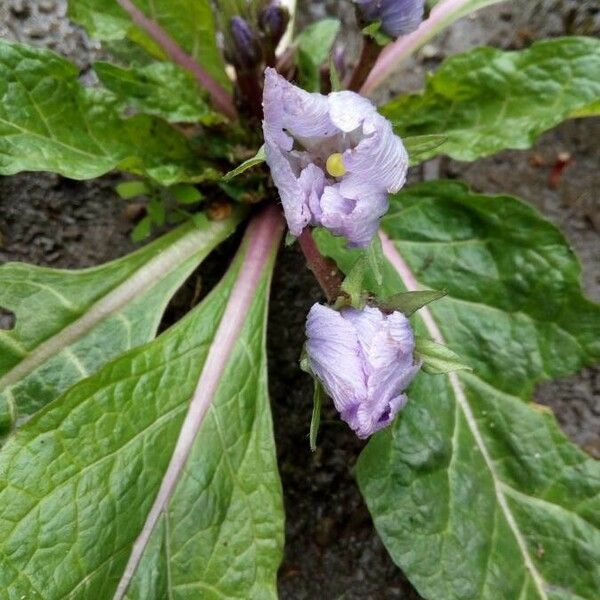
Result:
[262,236]
[394,54]
[220,97]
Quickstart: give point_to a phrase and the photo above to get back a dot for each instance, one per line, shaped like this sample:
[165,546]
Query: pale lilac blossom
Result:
[364,359]
[334,159]
[397,17]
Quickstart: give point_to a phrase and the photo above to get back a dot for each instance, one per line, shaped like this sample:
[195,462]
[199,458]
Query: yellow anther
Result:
[335,165]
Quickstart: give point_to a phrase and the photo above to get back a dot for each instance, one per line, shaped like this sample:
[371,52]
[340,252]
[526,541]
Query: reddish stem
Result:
[368,57]
[220,97]
[324,269]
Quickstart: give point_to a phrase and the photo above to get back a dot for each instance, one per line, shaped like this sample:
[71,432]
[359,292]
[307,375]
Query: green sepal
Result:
[373,30]
[352,286]
[257,159]
[410,302]
[318,396]
[437,358]
[289,240]
[376,259]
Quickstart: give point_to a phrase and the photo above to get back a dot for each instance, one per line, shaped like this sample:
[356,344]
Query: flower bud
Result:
[273,21]
[364,359]
[246,52]
[397,17]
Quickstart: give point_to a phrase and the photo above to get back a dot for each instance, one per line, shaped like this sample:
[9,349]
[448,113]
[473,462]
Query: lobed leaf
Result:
[70,323]
[80,481]
[475,492]
[486,100]
[50,122]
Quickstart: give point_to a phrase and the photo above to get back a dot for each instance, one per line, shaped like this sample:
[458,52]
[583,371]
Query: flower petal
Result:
[378,163]
[356,220]
[291,191]
[334,354]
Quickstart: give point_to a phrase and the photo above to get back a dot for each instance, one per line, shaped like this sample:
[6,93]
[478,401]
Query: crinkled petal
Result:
[292,193]
[378,164]
[301,113]
[348,110]
[356,220]
[369,419]
[367,322]
[334,354]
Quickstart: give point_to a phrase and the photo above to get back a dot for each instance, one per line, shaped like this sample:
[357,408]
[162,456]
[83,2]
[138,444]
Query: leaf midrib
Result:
[113,302]
[405,273]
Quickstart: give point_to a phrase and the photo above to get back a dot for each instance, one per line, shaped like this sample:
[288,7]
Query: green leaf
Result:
[70,323]
[474,490]
[437,358]
[142,230]
[161,89]
[410,302]
[374,31]
[419,147]
[87,471]
[190,24]
[315,420]
[132,189]
[314,45]
[156,211]
[49,122]
[185,194]
[486,100]
[257,159]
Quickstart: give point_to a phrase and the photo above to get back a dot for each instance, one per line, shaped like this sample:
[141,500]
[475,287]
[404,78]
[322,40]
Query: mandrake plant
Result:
[142,466]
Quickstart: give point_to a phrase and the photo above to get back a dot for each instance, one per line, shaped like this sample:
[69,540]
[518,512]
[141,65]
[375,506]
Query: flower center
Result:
[335,165]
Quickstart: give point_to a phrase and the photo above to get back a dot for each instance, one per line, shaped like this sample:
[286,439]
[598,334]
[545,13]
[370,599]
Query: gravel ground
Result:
[332,550]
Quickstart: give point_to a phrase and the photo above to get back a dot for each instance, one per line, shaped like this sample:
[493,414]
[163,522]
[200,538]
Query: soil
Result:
[332,550]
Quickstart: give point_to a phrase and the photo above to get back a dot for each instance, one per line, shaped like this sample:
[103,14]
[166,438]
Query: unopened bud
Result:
[397,17]
[273,21]
[247,52]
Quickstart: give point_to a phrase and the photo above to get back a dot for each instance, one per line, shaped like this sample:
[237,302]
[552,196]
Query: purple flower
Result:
[364,358]
[334,159]
[397,17]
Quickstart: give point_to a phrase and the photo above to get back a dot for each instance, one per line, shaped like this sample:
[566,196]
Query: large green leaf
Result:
[189,22]
[486,100]
[80,481]
[50,122]
[70,323]
[474,490]
[161,88]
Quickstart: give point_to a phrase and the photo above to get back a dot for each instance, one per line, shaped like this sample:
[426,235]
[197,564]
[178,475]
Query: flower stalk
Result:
[368,57]
[324,269]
